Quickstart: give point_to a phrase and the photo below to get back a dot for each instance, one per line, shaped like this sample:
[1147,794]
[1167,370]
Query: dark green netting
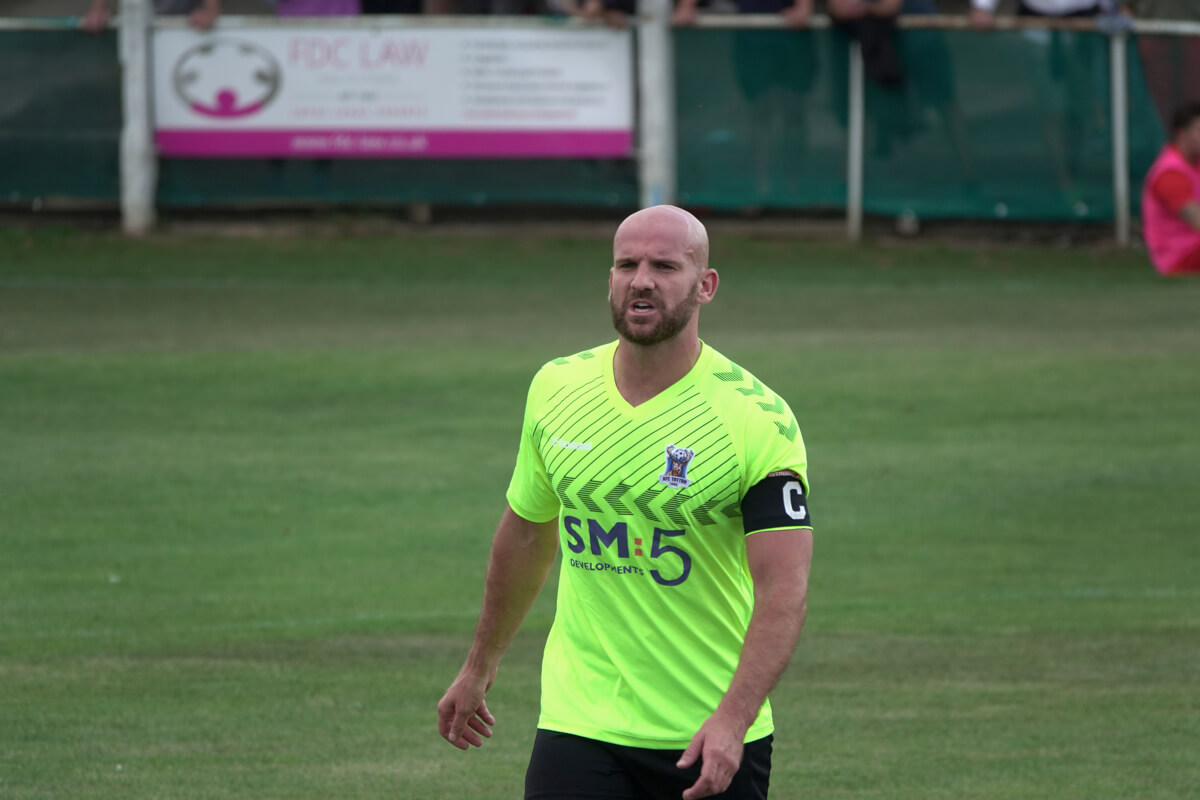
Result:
[757,118]
[1014,124]
[60,116]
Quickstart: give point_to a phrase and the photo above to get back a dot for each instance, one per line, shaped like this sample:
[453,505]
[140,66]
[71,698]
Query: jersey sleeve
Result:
[773,445]
[1173,190]
[529,491]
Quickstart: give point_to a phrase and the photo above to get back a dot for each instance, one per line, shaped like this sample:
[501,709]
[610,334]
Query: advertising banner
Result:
[394,93]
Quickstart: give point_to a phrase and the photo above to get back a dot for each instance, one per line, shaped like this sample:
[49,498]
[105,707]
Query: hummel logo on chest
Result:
[571,445]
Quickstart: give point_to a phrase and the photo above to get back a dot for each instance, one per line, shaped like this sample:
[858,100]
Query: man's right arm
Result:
[522,554]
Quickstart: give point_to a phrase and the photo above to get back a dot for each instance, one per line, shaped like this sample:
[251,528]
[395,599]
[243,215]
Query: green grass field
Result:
[247,490]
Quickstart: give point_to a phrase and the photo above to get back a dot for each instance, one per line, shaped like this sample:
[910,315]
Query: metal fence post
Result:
[656,104]
[1120,134]
[854,147]
[139,168]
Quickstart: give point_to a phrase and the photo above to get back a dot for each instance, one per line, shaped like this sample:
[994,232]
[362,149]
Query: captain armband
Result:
[777,501]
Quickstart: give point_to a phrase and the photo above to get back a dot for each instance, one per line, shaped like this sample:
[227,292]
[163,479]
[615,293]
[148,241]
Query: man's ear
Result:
[708,286]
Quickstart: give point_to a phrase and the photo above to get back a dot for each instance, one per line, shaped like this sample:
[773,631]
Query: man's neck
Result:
[641,372]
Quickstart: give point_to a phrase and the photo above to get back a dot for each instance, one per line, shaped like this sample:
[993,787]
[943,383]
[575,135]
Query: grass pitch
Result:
[247,491]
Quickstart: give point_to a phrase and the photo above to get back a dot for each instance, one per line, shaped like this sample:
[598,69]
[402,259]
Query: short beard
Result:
[671,320]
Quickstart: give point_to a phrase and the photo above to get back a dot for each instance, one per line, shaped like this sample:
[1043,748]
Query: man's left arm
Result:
[779,563]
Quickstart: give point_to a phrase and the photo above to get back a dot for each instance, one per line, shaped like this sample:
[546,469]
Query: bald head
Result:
[660,276]
[672,224]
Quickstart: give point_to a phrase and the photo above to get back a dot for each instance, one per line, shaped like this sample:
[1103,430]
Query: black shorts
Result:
[568,767]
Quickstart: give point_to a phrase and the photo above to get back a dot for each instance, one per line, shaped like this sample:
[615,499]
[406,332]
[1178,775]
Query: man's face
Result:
[655,282]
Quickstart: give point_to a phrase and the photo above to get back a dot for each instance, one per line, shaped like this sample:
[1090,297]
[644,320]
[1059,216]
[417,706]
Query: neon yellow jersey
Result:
[655,593]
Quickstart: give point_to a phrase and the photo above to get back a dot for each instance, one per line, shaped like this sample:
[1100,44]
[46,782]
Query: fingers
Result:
[469,738]
[477,726]
[691,753]
[714,779]
[457,725]
[719,762]
[464,732]
[702,786]
[484,714]
[464,729]
[450,727]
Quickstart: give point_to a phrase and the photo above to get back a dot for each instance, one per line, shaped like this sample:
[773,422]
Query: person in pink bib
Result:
[1171,198]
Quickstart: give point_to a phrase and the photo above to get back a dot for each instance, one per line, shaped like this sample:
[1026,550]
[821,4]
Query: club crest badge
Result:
[675,474]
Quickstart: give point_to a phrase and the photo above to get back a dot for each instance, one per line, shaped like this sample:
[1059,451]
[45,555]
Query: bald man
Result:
[676,484]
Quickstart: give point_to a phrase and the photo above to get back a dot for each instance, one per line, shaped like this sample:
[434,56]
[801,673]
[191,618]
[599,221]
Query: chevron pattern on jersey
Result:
[584,356]
[734,374]
[601,461]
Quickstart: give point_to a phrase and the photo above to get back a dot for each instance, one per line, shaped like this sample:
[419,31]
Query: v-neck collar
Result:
[664,398]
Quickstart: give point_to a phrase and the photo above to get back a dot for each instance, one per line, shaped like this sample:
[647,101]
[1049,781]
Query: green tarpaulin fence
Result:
[60,116]
[763,122]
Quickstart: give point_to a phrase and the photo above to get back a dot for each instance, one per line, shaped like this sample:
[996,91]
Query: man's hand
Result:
[684,14]
[97,18]
[204,17]
[523,552]
[718,746]
[847,9]
[798,14]
[981,19]
[779,562]
[463,716]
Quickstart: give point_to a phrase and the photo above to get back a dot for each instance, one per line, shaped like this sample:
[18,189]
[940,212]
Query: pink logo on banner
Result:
[226,78]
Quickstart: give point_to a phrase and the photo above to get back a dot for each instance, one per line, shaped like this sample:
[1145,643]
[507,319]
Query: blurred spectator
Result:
[1170,64]
[872,23]
[796,13]
[983,12]
[929,95]
[1078,121]
[202,14]
[615,13]
[774,70]
[1171,197]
